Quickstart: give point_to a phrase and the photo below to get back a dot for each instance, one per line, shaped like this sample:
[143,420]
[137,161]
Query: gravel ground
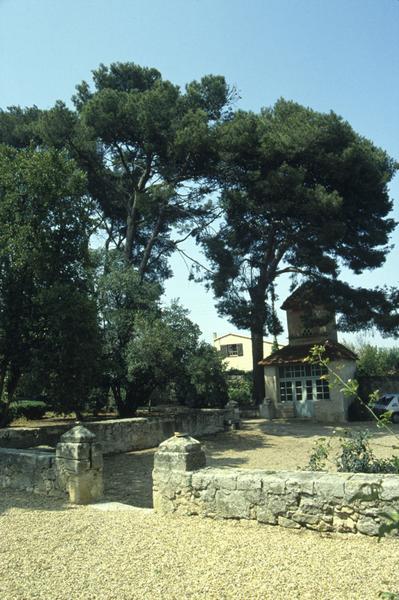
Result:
[52,552]
[286,445]
[260,444]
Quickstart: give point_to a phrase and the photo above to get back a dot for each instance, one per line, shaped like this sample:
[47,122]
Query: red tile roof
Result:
[297,354]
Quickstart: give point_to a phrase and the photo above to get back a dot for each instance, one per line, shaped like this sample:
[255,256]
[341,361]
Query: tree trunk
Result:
[150,244]
[116,391]
[132,403]
[9,379]
[258,378]
[126,407]
[130,227]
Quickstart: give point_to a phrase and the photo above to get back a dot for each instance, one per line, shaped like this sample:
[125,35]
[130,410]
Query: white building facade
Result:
[294,386]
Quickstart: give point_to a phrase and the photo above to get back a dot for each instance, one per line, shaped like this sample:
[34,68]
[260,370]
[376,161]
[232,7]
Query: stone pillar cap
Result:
[78,435]
[180,443]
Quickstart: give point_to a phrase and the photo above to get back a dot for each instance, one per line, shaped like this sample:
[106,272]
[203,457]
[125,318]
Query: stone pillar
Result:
[174,462]
[79,463]
[266,409]
[233,415]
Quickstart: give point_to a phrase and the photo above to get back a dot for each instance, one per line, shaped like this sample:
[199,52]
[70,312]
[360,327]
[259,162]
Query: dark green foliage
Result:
[207,387]
[66,359]
[319,455]
[302,194]
[357,456]
[373,361]
[47,319]
[30,409]
[150,353]
[140,139]
[148,150]
[240,387]
[167,360]
[121,297]
[18,126]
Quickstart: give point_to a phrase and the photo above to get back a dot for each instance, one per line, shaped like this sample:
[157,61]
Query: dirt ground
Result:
[260,444]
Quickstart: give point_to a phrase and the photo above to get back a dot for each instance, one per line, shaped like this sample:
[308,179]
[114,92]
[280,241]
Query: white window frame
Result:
[299,382]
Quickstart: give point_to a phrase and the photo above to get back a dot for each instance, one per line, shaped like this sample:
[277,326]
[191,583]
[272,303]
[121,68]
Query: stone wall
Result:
[124,435]
[74,468]
[340,502]
[28,470]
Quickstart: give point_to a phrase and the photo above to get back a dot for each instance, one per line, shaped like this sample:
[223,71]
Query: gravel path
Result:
[50,552]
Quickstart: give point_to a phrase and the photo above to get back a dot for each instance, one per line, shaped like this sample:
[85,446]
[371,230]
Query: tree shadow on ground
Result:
[218,446]
[128,478]
[306,429]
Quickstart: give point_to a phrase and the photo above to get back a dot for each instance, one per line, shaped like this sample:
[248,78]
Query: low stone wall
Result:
[124,435]
[74,468]
[28,470]
[340,502]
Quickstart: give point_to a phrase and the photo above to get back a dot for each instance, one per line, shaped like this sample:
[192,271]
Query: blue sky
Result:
[327,54]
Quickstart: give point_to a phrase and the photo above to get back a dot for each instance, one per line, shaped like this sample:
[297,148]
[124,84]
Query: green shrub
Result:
[240,387]
[319,455]
[31,409]
[358,457]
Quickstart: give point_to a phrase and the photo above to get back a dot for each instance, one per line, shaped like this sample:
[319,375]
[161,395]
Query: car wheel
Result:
[395,418]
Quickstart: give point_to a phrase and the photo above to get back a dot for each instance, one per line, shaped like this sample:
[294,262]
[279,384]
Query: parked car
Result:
[388,403]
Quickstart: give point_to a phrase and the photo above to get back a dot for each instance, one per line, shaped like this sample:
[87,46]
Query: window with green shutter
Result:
[232,350]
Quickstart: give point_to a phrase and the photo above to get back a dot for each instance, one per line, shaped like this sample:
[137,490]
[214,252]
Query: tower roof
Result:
[300,297]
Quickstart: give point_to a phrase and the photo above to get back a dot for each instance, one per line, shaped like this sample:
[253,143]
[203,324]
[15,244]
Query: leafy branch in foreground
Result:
[350,387]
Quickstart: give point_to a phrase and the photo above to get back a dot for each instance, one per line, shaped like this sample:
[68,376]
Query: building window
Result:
[303,382]
[231,350]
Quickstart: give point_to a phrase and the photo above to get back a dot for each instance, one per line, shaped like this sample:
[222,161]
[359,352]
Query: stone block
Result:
[284,522]
[254,496]
[226,481]
[96,459]
[310,507]
[280,504]
[306,519]
[161,503]
[368,526]
[86,488]
[390,488]
[202,479]
[301,482]
[231,505]
[249,481]
[74,466]
[75,451]
[273,483]
[180,453]
[265,515]
[330,485]
[78,435]
[362,488]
